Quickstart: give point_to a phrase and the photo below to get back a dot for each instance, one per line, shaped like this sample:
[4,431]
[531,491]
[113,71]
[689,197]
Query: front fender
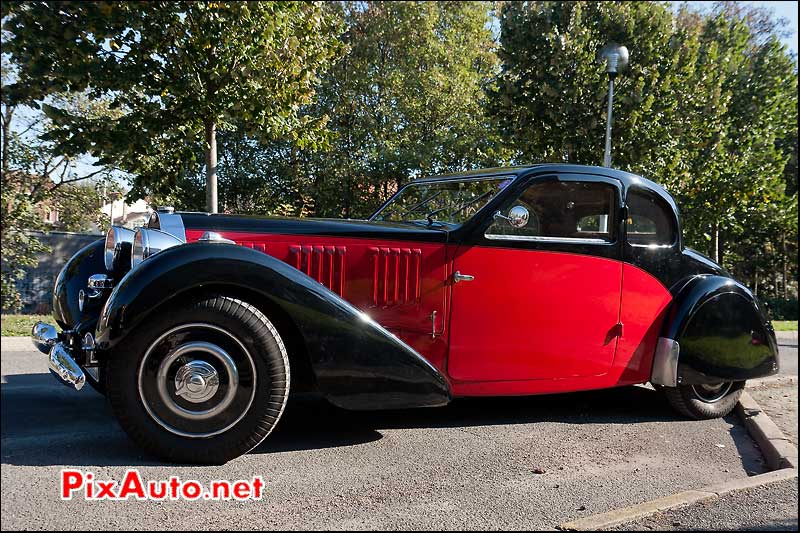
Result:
[715,331]
[357,364]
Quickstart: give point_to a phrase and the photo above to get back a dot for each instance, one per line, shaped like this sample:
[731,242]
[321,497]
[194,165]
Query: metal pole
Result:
[607,157]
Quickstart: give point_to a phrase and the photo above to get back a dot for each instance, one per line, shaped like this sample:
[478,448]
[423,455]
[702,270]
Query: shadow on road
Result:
[44,423]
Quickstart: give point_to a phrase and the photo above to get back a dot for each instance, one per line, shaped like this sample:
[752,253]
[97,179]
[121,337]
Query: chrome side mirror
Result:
[517,216]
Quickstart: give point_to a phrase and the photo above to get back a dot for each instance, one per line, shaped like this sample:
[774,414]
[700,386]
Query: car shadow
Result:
[45,423]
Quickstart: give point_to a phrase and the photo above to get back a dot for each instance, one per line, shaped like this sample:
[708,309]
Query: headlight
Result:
[148,242]
[118,248]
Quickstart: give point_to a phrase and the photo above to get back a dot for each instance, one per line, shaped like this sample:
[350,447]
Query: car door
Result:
[543,300]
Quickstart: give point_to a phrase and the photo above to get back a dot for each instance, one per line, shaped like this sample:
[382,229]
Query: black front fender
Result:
[357,364]
[722,332]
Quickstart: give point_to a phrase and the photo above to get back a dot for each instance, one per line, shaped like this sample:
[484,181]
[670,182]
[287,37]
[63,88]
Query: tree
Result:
[707,107]
[407,100]
[178,74]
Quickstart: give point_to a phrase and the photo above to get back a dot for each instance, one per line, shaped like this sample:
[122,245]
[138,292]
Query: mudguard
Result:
[719,332]
[69,282]
[357,364]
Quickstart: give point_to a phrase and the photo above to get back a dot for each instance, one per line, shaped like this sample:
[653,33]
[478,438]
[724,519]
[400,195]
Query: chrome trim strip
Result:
[665,363]
[531,238]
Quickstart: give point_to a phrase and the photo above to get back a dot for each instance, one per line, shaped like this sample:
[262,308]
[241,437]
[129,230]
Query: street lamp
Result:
[615,56]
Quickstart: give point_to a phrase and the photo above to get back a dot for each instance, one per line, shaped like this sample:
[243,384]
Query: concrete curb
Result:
[786,336]
[635,512]
[777,449]
[779,452]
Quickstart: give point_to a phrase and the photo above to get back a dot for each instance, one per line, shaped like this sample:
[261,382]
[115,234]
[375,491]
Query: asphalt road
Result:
[469,465]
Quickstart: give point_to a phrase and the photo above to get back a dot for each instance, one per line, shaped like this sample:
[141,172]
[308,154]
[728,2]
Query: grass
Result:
[20,325]
[785,325]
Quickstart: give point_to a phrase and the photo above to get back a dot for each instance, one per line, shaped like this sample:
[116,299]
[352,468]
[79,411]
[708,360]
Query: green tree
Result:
[407,100]
[177,71]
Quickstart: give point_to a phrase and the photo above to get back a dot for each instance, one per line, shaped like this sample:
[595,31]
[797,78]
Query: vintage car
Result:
[510,281]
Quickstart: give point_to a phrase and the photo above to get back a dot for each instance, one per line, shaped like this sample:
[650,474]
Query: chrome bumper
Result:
[60,361]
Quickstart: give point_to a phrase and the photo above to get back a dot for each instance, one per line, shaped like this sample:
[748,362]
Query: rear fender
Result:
[715,331]
[357,364]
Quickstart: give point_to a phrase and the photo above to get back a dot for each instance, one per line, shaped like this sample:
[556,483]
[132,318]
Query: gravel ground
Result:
[779,401]
[470,465]
[740,510]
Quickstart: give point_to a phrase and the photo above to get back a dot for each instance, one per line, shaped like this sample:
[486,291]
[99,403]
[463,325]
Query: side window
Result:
[650,220]
[561,211]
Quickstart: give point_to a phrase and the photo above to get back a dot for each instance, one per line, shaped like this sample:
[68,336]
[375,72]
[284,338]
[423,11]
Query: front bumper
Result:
[60,359]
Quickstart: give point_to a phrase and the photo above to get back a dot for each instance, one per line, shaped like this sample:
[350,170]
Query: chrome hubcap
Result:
[713,392]
[196,381]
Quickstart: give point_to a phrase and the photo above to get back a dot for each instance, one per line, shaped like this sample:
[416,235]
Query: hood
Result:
[310,226]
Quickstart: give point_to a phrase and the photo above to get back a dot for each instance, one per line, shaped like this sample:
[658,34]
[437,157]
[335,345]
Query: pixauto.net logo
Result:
[80,484]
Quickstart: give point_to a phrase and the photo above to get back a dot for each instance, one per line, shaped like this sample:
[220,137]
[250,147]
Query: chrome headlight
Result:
[148,242]
[118,248]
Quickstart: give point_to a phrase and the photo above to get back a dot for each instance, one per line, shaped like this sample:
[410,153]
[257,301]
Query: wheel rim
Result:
[197,380]
[712,392]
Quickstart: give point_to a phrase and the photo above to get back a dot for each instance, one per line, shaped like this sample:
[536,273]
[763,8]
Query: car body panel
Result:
[539,317]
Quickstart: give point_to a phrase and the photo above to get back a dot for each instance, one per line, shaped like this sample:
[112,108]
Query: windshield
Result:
[450,202]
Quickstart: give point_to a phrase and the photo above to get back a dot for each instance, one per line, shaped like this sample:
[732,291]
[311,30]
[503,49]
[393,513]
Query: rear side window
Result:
[651,220]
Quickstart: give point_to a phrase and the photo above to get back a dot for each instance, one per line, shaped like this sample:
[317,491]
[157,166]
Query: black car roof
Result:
[628,179]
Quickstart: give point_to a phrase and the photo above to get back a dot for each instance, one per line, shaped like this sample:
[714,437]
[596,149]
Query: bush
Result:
[782,308]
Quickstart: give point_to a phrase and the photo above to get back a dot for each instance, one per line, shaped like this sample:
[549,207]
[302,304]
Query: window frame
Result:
[664,206]
[613,223]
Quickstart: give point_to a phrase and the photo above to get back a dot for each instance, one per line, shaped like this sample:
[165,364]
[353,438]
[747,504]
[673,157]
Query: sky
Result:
[783,9]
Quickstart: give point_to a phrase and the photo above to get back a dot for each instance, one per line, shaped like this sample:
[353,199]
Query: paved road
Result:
[469,465]
[787,353]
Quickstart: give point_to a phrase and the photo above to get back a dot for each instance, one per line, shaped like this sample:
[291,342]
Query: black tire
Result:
[703,402]
[248,390]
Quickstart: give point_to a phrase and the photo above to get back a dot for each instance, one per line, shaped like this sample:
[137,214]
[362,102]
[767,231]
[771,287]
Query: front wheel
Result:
[702,402]
[206,385]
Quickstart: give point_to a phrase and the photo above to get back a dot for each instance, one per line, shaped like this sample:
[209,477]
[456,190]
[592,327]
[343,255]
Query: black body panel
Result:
[722,332]
[356,363]
[72,278]
[313,226]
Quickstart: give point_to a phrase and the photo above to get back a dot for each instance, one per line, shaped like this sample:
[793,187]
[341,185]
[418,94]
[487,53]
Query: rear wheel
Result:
[207,385]
[701,402]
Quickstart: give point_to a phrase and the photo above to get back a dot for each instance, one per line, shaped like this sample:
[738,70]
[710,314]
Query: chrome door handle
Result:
[458,276]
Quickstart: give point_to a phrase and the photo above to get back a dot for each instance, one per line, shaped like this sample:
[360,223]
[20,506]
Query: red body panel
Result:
[399,284]
[533,314]
[531,322]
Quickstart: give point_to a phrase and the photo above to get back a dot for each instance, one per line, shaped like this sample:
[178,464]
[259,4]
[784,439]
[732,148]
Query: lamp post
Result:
[615,56]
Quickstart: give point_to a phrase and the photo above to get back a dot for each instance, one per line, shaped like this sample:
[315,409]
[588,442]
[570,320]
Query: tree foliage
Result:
[174,69]
[326,109]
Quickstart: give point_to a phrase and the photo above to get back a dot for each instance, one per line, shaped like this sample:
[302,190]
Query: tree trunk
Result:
[755,283]
[6,138]
[715,243]
[783,264]
[211,166]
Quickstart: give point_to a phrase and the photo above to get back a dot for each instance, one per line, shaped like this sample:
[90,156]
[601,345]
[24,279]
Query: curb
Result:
[779,452]
[786,336]
[777,449]
[634,512]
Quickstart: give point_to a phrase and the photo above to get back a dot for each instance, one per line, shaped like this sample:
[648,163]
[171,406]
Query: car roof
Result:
[523,171]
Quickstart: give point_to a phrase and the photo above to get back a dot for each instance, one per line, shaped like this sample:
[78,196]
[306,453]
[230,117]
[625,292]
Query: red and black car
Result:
[509,281]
